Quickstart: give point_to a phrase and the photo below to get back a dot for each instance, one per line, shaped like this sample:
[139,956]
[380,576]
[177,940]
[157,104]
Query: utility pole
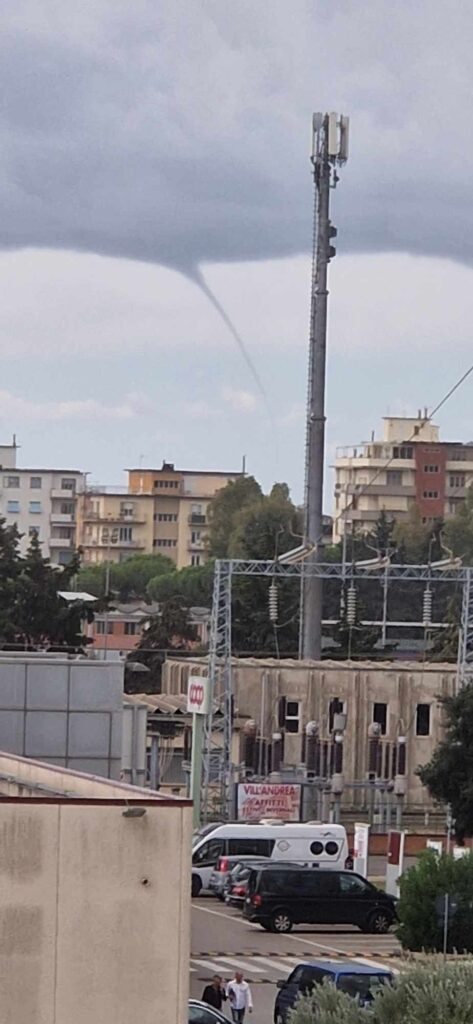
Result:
[330,149]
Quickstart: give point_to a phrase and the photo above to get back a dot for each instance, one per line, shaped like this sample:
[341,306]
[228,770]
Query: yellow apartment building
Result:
[114,525]
[181,499]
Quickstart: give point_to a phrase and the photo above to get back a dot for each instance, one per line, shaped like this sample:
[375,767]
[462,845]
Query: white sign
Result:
[256,800]
[435,845]
[198,693]
[362,833]
[460,851]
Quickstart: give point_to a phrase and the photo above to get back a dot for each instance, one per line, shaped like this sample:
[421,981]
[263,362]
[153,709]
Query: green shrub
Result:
[431,993]
[421,890]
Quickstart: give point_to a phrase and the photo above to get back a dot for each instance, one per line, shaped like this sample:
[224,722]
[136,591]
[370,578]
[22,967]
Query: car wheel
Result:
[196,885]
[280,922]
[379,922]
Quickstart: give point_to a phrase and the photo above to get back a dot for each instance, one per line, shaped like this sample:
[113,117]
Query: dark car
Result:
[279,899]
[355,979]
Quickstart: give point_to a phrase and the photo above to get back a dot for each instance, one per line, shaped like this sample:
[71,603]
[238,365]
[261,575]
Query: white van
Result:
[315,844]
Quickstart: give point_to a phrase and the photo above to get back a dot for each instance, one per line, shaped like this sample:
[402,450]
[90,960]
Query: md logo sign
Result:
[198,693]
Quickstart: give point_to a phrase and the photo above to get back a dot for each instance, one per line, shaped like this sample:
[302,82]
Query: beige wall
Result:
[94,914]
[401,685]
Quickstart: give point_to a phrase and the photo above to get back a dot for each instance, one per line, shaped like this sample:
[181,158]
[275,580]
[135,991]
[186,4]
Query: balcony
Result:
[196,545]
[62,519]
[105,544]
[118,517]
[60,542]
[196,520]
[63,495]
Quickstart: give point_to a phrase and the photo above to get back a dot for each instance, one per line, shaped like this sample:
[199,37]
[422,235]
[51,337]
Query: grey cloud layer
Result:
[178,132]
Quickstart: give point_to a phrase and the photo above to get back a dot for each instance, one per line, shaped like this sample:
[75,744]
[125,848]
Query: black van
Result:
[279,898]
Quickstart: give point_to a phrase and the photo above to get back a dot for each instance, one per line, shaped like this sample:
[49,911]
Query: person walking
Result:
[239,996]
[214,993]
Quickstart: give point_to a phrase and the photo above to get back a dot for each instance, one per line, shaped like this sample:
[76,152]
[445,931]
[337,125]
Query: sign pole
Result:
[196,767]
[198,704]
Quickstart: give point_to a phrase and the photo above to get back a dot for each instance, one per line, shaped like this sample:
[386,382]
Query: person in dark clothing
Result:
[214,993]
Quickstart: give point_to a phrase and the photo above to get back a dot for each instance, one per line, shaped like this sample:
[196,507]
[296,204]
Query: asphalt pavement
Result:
[223,941]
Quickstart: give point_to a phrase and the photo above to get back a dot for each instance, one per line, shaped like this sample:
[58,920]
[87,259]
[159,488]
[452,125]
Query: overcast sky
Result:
[148,145]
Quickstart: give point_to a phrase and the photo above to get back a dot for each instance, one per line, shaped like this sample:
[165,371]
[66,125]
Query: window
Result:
[196,510]
[423,720]
[33,531]
[331,848]
[127,511]
[403,452]
[35,507]
[250,847]
[11,481]
[195,560]
[13,506]
[65,532]
[431,469]
[351,885]
[195,536]
[35,483]
[430,494]
[131,628]
[208,853]
[201,1015]
[64,557]
[457,480]
[380,716]
[125,533]
[394,476]
[292,719]
[67,508]
[165,517]
[68,484]
[100,628]
[164,542]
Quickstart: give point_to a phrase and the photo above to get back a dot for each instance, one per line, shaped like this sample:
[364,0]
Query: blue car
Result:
[358,981]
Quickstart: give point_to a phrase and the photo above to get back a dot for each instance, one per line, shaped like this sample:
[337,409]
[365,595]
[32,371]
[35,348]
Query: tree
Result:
[422,890]
[225,509]
[459,530]
[37,612]
[193,585]
[9,570]
[433,992]
[128,580]
[449,774]
[171,630]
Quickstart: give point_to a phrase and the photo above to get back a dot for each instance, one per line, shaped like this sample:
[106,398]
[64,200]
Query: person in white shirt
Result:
[239,997]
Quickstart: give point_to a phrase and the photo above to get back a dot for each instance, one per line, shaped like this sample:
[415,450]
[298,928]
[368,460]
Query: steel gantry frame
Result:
[217,754]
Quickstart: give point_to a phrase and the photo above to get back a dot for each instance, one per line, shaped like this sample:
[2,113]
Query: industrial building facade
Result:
[409,467]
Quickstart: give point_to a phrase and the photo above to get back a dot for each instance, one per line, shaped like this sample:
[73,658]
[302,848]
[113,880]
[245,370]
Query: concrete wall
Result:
[94,914]
[401,686]
[62,711]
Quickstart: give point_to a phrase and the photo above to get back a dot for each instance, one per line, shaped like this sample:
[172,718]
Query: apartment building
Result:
[41,502]
[181,499]
[408,466]
[113,525]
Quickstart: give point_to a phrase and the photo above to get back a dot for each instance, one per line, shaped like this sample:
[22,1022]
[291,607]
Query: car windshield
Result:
[363,987]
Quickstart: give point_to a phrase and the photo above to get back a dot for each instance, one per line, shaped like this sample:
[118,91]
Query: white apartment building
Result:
[408,466]
[41,502]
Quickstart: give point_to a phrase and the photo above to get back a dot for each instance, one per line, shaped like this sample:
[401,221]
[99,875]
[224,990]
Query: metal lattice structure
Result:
[217,766]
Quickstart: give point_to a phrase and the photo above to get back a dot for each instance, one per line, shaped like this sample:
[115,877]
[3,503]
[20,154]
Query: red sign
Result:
[256,800]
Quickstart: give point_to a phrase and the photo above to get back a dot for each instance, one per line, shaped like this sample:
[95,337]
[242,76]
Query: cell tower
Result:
[329,152]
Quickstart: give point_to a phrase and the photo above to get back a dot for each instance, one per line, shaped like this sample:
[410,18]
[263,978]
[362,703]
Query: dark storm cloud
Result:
[178,132]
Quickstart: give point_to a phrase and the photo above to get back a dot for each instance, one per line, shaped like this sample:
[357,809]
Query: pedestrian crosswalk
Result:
[270,968]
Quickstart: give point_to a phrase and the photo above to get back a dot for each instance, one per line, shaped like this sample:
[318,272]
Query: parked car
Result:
[237,884]
[219,883]
[202,1013]
[355,979]
[278,899]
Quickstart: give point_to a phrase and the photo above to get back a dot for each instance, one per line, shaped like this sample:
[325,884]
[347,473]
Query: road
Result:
[223,941]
